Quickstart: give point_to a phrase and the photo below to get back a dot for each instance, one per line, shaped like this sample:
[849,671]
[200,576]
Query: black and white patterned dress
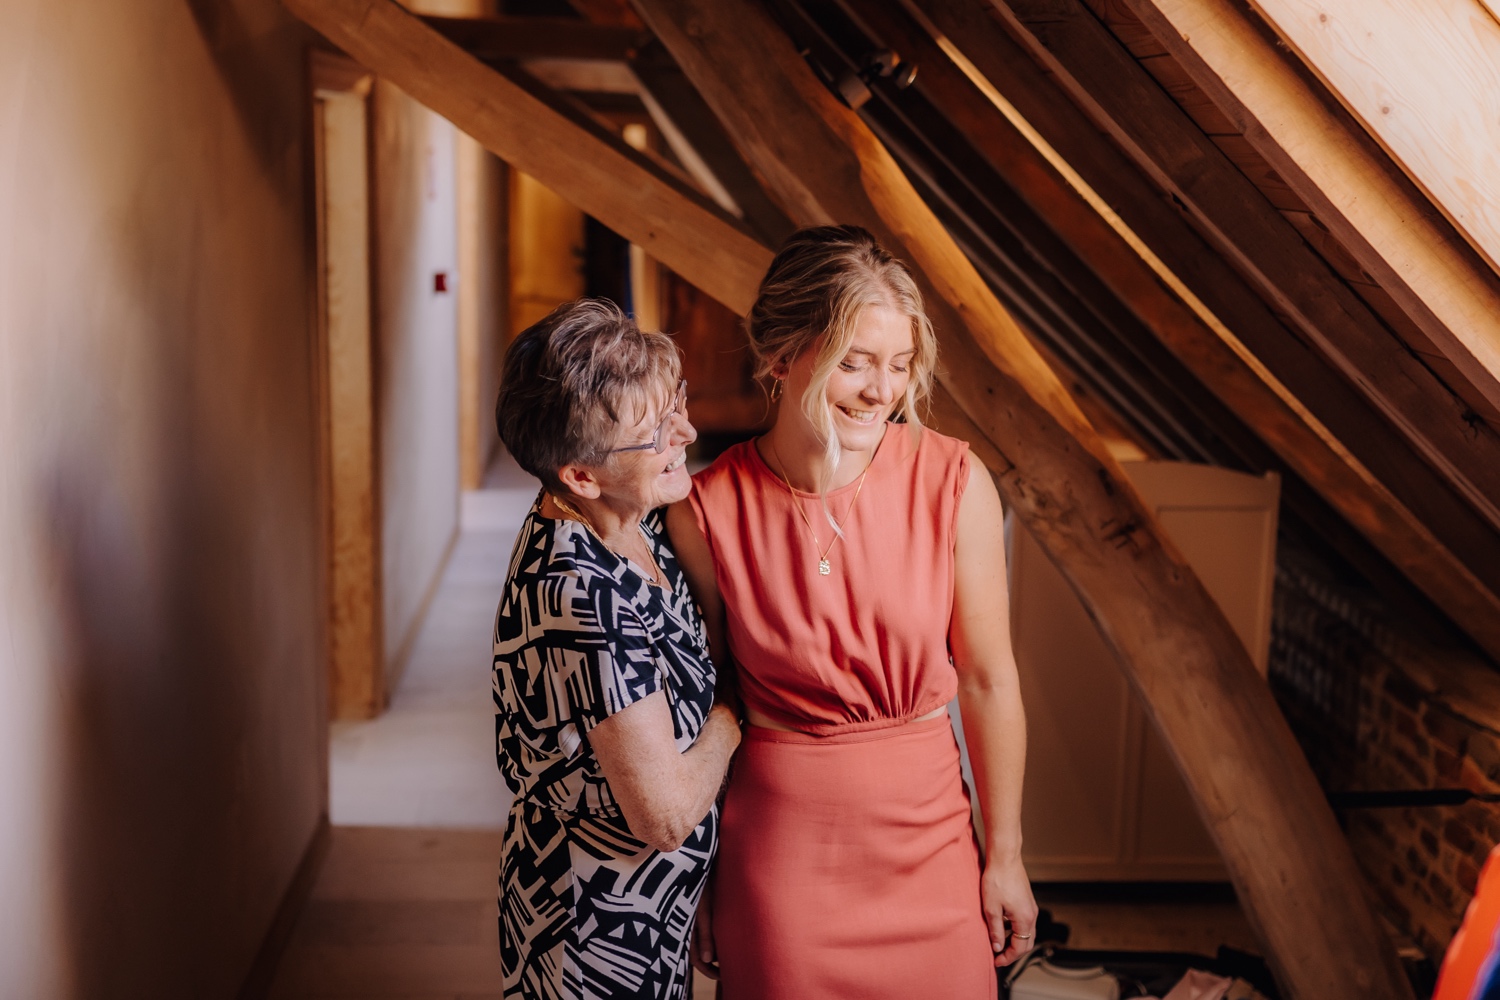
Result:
[586,909]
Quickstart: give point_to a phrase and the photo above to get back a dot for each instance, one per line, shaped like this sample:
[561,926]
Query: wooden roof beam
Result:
[1395,234]
[630,192]
[1201,338]
[1287,856]
[678,107]
[1424,81]
[566,55]
[1163,141]
[493,39]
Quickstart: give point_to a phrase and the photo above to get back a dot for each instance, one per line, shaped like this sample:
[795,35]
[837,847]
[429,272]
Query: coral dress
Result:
[847,865]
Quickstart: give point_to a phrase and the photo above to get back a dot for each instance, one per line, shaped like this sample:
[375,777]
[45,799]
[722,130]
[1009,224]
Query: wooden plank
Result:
[1331,250]
[1175,81]
[1424,80]
[1288,858]
[616,12]
[1238,150]
[356,660]
[1405,535]
[1104,79]
[628,191]
[497,38]
[1439,282]
[1127,28]
[680,104]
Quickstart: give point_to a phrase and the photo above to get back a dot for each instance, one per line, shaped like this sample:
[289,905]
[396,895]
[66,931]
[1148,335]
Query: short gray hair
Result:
[568,378]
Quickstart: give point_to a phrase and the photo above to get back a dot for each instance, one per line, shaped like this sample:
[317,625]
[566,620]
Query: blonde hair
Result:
[812,296]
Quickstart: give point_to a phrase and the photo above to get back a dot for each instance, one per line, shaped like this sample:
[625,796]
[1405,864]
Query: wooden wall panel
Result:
[1445,288]
[356,662]
[1424,79]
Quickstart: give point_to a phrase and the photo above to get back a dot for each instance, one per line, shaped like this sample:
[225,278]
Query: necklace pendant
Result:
[823,568]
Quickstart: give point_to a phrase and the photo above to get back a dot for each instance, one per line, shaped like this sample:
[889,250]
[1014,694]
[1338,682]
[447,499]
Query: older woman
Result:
[857,566]
[606,721]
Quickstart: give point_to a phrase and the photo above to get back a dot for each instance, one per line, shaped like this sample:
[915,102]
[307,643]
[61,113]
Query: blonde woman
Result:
[854,567]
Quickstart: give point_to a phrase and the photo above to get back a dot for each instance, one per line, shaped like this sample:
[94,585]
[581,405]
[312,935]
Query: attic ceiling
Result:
[1109,99]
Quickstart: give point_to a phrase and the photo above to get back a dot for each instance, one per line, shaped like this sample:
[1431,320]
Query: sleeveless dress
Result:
[848,866]
[586,909]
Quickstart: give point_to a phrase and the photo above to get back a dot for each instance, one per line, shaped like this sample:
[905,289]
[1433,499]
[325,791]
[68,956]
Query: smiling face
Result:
[643,480]
[866,384]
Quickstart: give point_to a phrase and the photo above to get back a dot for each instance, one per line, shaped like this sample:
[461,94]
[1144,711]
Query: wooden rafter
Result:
[628,191]
[1446,289]
[1237,755]
[498,38]
[679,103]
[1214,353]
[1424,80]
[1243,225]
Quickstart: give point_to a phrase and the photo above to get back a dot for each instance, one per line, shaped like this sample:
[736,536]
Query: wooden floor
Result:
[406,913]
[401,913]
[410,914]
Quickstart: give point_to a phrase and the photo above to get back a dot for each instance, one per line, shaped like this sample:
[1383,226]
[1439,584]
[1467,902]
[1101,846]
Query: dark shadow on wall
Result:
[183,539]
[263,74]
[158,710]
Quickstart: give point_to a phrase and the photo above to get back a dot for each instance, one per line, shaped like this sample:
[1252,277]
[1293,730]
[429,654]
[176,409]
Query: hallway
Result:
[404,905]
[428,760]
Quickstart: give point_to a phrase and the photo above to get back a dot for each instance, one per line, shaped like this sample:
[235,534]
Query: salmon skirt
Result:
[847,869]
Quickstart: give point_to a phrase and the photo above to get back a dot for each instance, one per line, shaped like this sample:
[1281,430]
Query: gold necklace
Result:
[578,515]
[824,569]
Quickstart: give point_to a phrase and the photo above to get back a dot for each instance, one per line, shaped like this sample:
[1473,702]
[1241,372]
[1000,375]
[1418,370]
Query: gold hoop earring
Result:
[775,389]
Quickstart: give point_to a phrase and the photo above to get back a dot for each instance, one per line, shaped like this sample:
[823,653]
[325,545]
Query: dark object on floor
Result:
[1423,975]
[1049,931]
[1153,973]
[1408,797]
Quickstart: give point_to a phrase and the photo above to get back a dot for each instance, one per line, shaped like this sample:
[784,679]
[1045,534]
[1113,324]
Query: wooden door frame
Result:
[349,459]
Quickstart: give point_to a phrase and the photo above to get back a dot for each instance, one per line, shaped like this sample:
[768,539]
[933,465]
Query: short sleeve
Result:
[604,653]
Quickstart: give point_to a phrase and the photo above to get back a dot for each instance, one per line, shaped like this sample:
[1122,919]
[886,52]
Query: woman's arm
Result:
[697,562]
[989,699]
[664,794]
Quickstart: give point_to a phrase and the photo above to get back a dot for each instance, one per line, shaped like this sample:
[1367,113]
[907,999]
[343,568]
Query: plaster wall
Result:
[162,733]
[416,382]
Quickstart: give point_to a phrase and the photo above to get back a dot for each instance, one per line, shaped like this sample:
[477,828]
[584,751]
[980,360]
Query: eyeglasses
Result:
[658,442]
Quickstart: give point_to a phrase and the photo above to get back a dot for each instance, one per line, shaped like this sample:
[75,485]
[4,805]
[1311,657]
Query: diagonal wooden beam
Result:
[1394,233]
[630,192]
[497,38]
[679,102]
[1236,317]
[1423,79]
[1257,396]
[1124,100]
[1254,788]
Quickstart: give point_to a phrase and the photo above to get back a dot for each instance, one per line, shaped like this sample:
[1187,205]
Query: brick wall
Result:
[1381,703]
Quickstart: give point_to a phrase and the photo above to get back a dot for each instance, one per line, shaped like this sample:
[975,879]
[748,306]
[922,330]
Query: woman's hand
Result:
[663,794]
[701,948]
[1009,909]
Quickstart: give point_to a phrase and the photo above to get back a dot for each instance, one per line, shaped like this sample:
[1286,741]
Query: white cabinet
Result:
[1103,799]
